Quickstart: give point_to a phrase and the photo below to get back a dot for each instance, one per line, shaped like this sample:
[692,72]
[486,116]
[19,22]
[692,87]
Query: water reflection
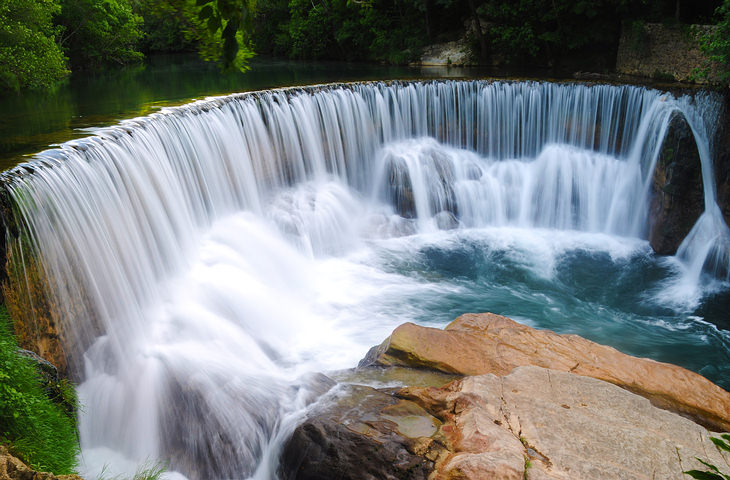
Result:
[34,120]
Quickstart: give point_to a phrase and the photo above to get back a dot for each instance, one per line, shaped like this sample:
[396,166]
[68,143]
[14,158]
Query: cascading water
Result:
[204,261]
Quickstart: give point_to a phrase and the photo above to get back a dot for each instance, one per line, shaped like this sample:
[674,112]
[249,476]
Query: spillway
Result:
[202,263]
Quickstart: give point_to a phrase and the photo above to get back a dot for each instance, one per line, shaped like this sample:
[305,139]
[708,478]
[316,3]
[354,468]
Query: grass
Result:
[36,429]
[147,471]
[712,472]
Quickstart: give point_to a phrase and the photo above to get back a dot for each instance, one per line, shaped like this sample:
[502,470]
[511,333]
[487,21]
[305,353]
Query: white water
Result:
[208,258]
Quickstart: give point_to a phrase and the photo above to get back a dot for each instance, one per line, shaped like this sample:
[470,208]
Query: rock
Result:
[567,426]
[12,468]
[449,53]
[664,52]
[399,190]
[476,344]
[677,196]
[360,433]
[533,423]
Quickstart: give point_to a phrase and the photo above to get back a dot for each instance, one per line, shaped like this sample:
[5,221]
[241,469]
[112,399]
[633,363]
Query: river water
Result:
[208,259]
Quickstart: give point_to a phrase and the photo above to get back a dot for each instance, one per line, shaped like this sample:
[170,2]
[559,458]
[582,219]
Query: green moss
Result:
[37,430]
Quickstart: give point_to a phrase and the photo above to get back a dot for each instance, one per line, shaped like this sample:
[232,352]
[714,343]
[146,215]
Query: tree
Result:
[29,55]
[223,28]
[100,32]
[717,43]
[548,29]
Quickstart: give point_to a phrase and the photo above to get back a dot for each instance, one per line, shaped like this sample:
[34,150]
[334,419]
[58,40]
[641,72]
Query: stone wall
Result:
[663,52]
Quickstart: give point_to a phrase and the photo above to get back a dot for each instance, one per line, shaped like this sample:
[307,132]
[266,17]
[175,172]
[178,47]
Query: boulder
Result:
[359,433]
[537,423]
[677,195]
[12,468]
[446,54]
[533,423]
[476,344]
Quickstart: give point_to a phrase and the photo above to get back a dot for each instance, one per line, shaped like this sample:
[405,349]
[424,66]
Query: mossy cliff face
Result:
[24,285]
[31,306]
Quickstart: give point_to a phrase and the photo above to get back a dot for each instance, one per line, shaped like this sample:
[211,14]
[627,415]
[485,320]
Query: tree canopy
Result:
[39,39]
[30,57]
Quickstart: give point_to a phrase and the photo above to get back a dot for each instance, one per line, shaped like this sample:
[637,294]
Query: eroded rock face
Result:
[476,344]
[12,468]
[677,197]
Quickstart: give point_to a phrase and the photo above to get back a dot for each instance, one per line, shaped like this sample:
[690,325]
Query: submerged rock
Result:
[476,344]
[677,196]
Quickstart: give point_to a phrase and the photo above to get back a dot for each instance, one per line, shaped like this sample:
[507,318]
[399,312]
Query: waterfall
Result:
[192,257]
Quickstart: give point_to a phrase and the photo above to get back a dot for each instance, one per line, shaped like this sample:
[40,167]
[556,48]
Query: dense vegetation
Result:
[717,44]
[35,421]
[41,39]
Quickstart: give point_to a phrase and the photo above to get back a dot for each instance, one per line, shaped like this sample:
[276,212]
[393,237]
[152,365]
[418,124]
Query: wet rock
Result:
[677,197]
[446,221]
[399,190]
[12,468]
[476,344]
[360,433]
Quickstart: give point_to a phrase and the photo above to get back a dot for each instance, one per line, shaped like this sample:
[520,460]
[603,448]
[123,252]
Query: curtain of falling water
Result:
[116,220]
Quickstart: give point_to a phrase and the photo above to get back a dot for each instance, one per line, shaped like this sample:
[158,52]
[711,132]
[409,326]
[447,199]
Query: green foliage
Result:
[380,30]
[712,472]
[529,29]
[148,471]
[167,25]
[717,43]
[270,27]
[638,37]
[100,32]
[222,28]
[218,29]
[29,55]
[36,429]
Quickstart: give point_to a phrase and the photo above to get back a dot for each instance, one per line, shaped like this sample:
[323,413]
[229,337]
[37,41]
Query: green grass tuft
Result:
[35,429]
[147,471]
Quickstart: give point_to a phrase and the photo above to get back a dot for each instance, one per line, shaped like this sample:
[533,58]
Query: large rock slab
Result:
[476,344]
[537,423]
[533,423]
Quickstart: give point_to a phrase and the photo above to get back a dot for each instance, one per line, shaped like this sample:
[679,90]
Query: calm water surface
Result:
[33,121]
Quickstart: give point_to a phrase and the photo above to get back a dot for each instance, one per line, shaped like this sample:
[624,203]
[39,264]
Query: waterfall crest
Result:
[115,220]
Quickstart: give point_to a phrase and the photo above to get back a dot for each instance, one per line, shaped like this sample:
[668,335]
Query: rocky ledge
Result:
[12,468]
[525,404]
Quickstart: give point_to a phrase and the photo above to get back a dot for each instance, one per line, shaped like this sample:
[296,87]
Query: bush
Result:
[29,55]
[100,32]
[717,44]
[37,430]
